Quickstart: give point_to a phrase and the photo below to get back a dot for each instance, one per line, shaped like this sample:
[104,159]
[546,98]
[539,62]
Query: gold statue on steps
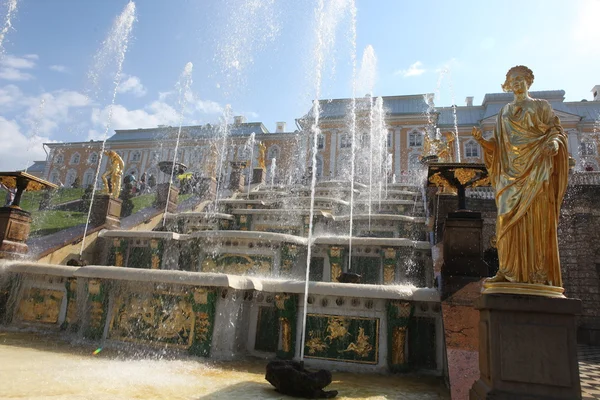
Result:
[528,164]
[114,172]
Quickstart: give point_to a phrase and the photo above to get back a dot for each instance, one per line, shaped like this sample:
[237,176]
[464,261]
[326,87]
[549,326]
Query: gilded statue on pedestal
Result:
[114,172]
[528,164]
[262,150]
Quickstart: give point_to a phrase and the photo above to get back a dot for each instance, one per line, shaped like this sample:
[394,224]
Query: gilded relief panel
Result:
[340,338]
[238,264]
[40,305]
[157,317]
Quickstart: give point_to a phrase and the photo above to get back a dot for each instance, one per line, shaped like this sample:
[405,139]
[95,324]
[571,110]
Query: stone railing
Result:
[482,192]
[588,178]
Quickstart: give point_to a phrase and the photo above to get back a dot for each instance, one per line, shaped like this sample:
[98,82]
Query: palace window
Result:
[588,148]
[415,139]
[471,149]
[320,141]
[75,158]
[273,152]
[59,159]
[136,156]
[93,159]
[390,138]
[345,140]
[88,178]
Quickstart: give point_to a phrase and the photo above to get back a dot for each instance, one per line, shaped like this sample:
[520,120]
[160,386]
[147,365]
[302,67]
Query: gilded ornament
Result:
[337,327]
[464,175]
[481,182]
[40,305]
[201,296]
[335,252]
[202,326]
[336,270]
[286,334]
[361,347]
[280,300]
[398,343]
[402,308]
[315,344]
[389,274]
[390,253]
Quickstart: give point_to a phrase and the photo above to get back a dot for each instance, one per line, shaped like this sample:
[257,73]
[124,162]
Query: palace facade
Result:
[406,119]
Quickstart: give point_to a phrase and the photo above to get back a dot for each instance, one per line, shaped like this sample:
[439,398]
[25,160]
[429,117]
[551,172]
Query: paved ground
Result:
[589,371]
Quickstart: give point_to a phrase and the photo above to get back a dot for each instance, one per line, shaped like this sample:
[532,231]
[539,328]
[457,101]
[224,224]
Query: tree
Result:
[127,205]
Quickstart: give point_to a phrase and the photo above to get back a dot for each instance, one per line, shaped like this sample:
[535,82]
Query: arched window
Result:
[345,140]
[93,158]
[390,138]
[320,141]
[88,178]
[55,177]
[319,166]
[136,156]
[588,148]
[273,152]
[59,159]
[413,161]
[472,149]
[75,158]
[415,139]
[71,176]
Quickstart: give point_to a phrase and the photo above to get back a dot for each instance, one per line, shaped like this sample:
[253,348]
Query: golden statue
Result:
[528,164]
[444,150]
[262,149]
[114,172]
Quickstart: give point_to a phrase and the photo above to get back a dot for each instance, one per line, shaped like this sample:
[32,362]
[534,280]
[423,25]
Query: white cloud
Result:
[48,112]
[58,68]
[13,74]
[18,151]
[208,106]
[157,113]
[415,69]
[11,67]
[132,84]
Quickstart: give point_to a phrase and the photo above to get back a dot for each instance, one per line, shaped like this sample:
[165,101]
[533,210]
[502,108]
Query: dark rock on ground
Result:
[290,378]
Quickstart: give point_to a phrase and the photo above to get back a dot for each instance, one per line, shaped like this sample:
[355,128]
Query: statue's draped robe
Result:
[530,186]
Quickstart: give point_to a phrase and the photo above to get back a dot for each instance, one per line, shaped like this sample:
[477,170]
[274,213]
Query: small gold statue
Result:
[262,149]
[528,164]
[114,172]
[444,150]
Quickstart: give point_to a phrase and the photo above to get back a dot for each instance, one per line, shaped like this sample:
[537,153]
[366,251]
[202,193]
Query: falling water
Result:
[381,145]
[273,169]
[224,131]
[249,146]
[36,128]
[184,83]
[455,118]
[11,9]
[352,124]
[366,83]
[327,21]
[113,49]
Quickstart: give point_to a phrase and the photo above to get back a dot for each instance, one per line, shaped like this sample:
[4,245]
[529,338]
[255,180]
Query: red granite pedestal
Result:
[14,231]
[527,348]
[259,175]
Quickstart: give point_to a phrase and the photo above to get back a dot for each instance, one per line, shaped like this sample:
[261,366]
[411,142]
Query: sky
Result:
[260,57]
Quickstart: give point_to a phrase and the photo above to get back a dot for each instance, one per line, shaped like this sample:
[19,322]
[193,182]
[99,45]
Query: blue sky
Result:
[257,55]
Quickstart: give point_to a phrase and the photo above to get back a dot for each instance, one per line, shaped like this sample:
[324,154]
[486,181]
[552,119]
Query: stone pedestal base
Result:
[162,191]
[259,175]
[236,178]
[527,348]
[462,245]
[207,188]
[14,231]
[106,210]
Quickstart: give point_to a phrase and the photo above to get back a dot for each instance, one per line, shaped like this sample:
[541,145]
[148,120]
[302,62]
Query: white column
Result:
[397,151]
[333,153]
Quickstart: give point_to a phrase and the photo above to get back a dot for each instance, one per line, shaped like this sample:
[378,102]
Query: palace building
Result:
[406,119]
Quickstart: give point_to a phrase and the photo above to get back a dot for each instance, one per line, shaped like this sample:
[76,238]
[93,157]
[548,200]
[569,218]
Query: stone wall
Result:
[579,243]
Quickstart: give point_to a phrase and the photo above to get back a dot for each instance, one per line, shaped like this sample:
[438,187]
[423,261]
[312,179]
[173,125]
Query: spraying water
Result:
[352,124]
[184,83]
[249,146]
[113,50]
[36,128]
[224,131]
[273,169]
[327,21]
[455,118]
[11,9]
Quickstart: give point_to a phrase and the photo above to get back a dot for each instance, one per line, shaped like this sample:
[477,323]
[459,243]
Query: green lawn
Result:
[143,201]
[51,221]
[30,201]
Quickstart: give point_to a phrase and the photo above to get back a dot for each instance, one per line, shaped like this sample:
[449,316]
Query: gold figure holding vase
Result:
[528,164]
